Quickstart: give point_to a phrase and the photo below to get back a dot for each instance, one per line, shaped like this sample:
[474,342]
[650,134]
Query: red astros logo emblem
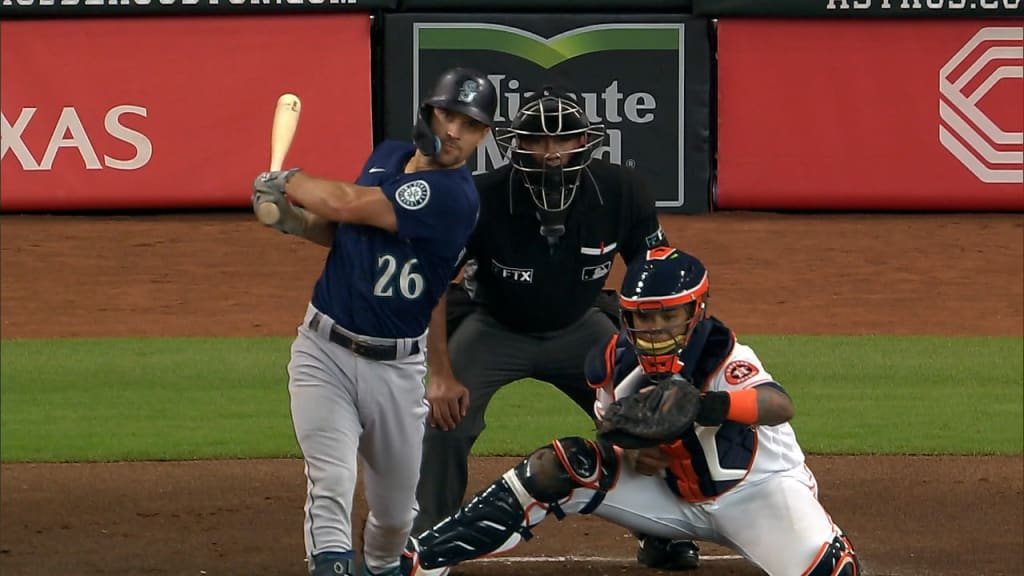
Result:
[739,371]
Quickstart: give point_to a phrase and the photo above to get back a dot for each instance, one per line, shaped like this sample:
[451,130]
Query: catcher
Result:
[693,443]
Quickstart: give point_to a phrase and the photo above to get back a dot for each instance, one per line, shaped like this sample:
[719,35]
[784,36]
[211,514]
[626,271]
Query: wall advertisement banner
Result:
[645,77]
[850,115]
[674,6]
[860,8]
[149,121]
[105,8]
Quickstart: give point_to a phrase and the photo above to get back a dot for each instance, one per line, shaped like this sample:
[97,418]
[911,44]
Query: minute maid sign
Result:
[626,75]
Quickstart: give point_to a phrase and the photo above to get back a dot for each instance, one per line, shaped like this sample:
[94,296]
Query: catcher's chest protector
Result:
[692,475]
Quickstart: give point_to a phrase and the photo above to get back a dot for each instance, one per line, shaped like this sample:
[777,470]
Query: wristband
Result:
[743,406]
[739,406]
[714,406]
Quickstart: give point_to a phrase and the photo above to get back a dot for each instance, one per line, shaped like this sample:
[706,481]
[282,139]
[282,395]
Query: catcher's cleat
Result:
[672,555]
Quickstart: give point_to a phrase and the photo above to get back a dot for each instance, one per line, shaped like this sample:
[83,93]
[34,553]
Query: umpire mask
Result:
[549,144]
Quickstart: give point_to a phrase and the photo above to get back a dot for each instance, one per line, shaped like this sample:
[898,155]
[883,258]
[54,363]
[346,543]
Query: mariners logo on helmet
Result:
[468,91]
[413,195]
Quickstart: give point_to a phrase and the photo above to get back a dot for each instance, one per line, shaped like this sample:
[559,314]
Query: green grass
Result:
[152,399]
[157,399]
[892,395]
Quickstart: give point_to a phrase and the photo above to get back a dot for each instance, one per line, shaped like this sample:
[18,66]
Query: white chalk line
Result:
[594,559]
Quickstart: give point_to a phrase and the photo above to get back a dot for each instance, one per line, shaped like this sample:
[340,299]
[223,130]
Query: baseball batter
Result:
[736,477]
[358,362]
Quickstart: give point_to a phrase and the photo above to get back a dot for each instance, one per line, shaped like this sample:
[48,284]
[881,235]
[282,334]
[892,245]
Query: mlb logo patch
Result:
[597,272]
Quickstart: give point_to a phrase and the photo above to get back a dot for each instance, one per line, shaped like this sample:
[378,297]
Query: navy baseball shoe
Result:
[664,554]
[332,564]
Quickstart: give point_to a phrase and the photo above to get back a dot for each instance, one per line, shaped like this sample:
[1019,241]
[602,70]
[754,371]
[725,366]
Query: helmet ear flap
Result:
[423,134]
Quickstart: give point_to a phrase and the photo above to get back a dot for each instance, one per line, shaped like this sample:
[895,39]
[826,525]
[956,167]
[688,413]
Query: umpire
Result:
[551,222]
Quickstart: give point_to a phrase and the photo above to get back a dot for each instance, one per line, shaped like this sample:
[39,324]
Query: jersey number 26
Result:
[410,284]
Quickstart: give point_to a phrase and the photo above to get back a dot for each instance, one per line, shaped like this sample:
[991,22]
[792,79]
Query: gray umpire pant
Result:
[485,355]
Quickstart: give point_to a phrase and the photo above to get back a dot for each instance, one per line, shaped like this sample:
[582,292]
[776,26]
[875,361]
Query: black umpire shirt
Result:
[530,287]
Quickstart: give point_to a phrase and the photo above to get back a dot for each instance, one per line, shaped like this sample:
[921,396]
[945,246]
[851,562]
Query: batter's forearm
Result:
[344,202]
[319,230]
[327,199]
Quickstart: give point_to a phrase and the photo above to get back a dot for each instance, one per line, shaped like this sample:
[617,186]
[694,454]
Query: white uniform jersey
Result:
[777,447]
[711,460]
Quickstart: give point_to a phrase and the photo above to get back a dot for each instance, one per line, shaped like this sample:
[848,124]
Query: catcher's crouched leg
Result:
[501,516]
[836,558]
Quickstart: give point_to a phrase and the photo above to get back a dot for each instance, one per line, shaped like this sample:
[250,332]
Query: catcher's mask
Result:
[550,142]
[663,298]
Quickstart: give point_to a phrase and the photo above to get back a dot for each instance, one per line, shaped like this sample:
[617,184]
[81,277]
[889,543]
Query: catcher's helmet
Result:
[551,113]
[463,90]
[663,298]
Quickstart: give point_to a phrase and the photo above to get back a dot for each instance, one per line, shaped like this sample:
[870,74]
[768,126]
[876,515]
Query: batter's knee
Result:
[327,480]
[392,522]
[836,558]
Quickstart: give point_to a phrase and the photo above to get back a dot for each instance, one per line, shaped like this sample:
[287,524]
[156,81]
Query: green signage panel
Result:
[645,77]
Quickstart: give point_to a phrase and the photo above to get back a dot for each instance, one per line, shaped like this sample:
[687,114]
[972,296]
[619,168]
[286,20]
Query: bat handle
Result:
[268,213]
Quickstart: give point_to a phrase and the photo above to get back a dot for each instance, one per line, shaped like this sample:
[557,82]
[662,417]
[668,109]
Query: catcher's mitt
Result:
[653,416]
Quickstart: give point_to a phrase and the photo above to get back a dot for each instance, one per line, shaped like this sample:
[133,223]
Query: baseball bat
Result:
[286,121]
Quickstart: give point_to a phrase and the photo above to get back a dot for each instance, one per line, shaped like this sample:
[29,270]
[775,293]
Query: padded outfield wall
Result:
[757,104]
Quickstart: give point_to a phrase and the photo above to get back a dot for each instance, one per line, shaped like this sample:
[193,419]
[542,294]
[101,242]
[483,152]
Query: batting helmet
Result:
[463,90]
[551,113]
[663,298]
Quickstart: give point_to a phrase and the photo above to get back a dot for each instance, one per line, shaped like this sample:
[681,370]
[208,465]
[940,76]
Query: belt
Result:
[379,352]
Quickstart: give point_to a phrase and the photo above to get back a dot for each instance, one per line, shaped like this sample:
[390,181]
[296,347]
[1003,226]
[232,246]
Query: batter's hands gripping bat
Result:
[286,120]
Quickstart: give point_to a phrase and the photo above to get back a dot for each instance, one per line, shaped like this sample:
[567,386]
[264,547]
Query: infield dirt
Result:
[225,275]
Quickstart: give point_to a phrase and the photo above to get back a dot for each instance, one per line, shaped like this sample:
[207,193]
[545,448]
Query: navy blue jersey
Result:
[376,283]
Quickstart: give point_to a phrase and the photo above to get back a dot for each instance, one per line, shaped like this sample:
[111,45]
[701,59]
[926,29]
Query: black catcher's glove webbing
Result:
[655,416]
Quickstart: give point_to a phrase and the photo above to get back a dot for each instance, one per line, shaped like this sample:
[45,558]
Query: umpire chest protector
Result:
[529,283]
